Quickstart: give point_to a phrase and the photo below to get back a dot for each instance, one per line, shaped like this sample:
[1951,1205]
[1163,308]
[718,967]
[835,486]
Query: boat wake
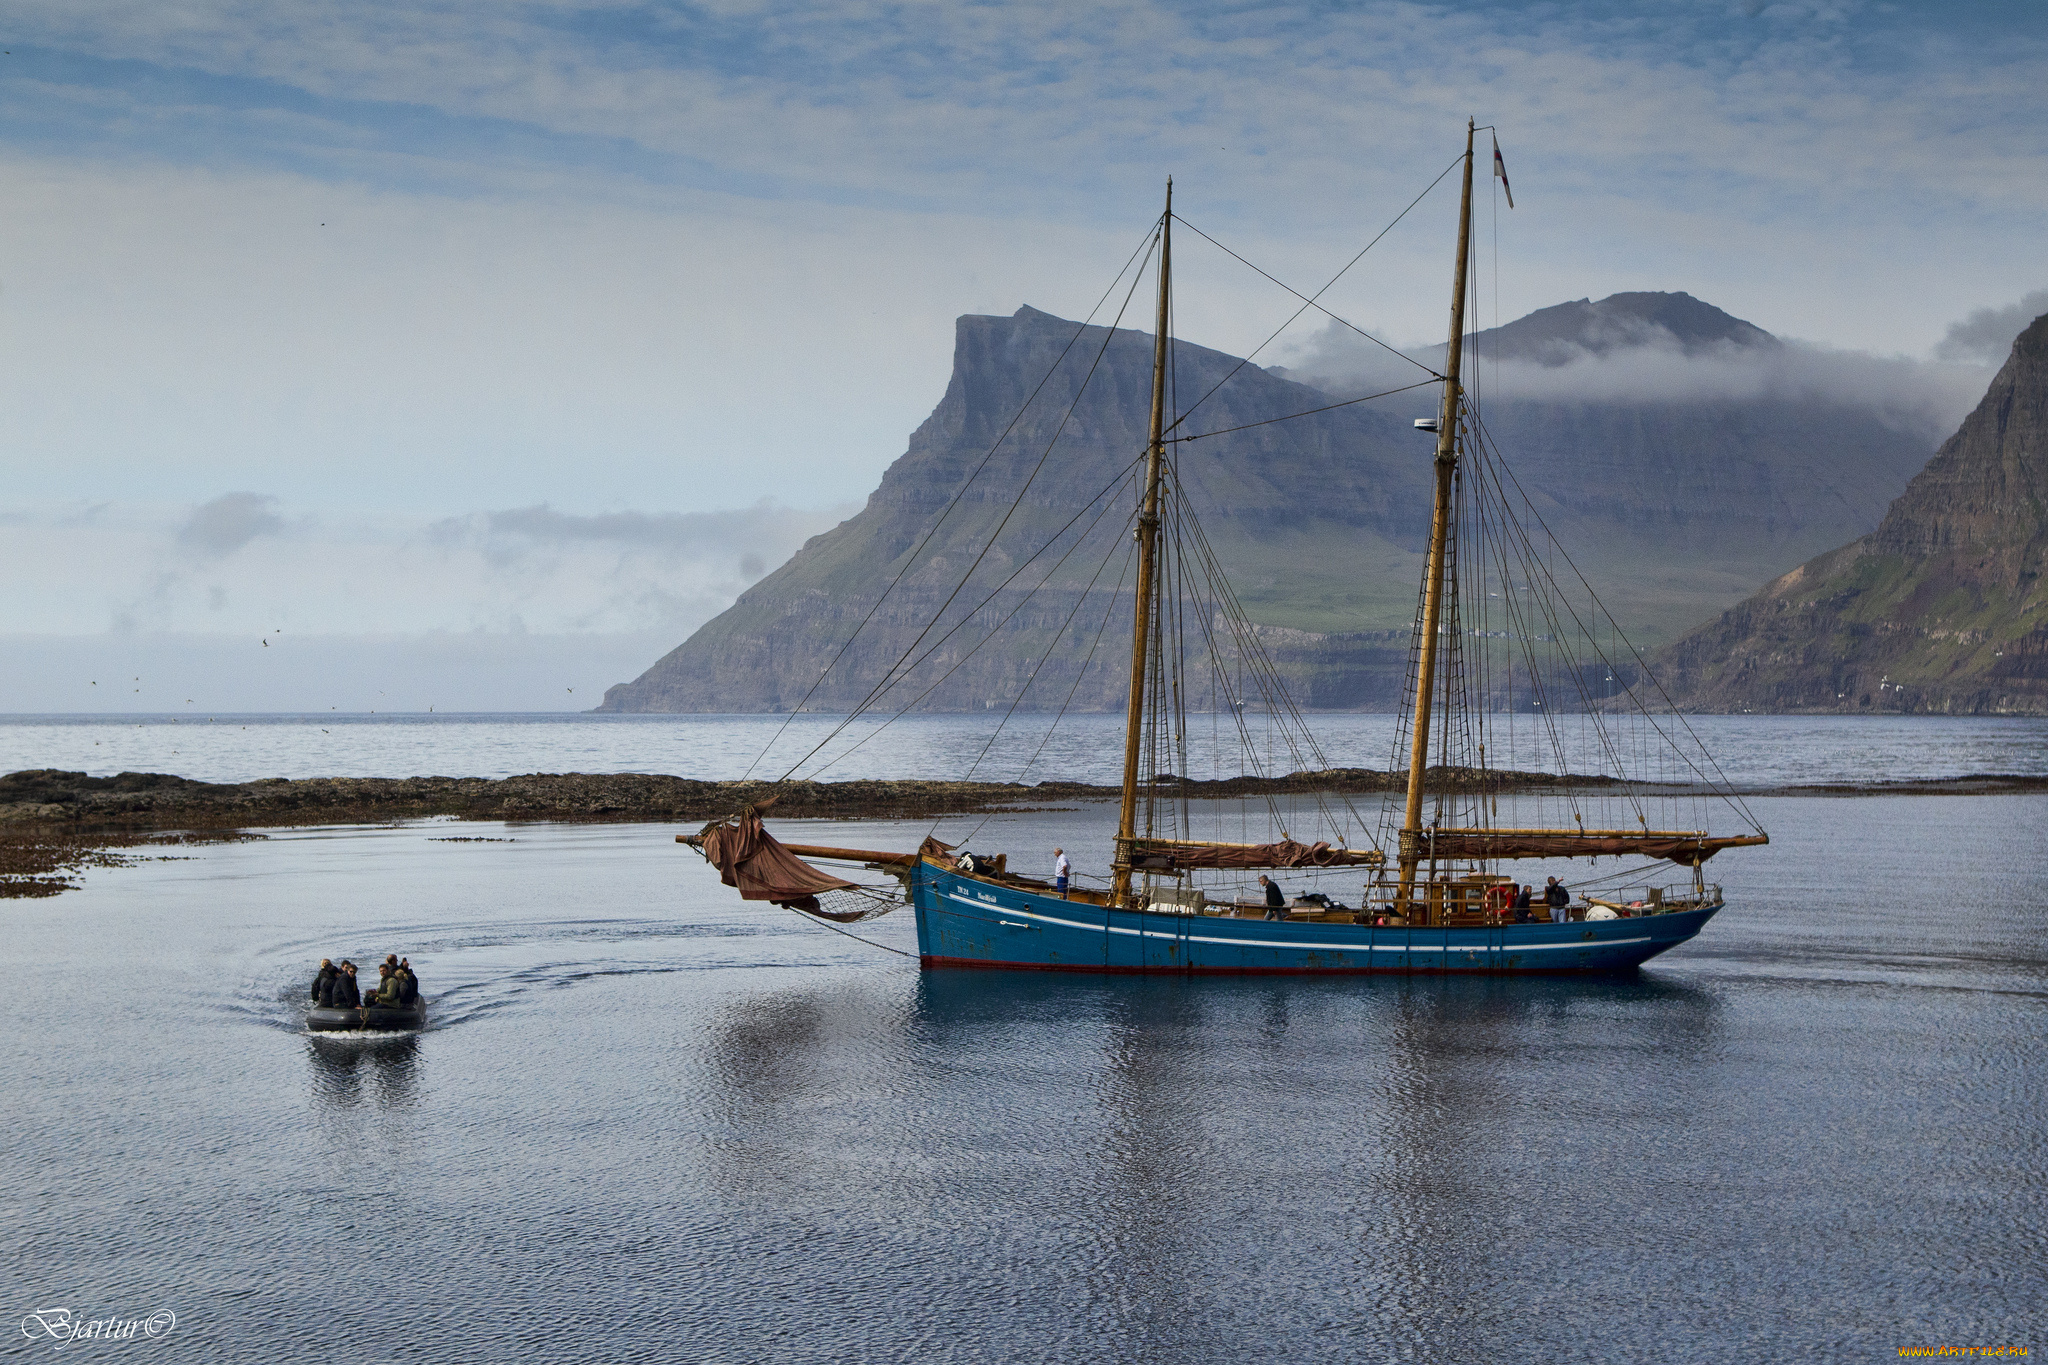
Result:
[472,972]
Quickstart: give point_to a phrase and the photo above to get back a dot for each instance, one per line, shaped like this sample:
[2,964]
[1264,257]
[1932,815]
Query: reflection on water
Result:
[368,1070]
[1197,1146]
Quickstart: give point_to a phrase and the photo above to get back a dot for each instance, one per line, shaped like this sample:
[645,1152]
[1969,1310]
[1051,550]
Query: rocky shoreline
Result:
[53,823]
[52,799]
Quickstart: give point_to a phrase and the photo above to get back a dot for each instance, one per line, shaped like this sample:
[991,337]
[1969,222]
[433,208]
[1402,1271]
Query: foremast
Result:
[1148,551]
[1412,851]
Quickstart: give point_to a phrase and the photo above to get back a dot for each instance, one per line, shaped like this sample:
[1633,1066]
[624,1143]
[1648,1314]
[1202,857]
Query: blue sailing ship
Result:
[1434,895]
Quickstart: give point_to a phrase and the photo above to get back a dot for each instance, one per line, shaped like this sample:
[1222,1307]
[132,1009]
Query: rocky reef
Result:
[54,824]
[47,798]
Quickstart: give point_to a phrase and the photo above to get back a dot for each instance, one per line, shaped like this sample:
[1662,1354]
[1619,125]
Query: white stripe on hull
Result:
[1300,944]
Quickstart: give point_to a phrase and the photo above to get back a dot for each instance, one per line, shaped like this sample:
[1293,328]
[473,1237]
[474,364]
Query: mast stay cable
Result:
[975,648]
[1309,301]
[889,677]
[954,501]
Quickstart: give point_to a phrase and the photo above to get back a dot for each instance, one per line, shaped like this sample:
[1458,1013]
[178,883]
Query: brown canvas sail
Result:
[748,857]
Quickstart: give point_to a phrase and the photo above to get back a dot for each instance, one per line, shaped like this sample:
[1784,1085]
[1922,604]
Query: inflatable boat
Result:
[371,1018]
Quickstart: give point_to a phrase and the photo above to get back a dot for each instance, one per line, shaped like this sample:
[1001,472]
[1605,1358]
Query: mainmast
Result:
[1148,550]
[1439,536]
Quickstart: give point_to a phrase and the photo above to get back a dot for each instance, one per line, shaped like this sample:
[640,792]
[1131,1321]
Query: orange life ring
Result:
[1499,899]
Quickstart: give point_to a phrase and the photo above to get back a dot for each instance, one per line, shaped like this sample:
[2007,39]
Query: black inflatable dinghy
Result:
[374,1018]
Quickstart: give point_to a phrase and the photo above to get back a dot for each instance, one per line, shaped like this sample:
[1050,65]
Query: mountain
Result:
[1566,332]
[1941,608]
[1327,513]
[1673,509]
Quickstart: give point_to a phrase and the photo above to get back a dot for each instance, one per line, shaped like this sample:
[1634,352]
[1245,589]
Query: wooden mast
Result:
[1148,549]
[1439,535]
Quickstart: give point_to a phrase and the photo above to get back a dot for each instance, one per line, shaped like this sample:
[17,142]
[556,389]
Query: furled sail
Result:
[748,857]
[1154,855]
[1684,848]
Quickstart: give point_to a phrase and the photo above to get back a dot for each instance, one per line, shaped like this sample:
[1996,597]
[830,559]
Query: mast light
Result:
[1425,424]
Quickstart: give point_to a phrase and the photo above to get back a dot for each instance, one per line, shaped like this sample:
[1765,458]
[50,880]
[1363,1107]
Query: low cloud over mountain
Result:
[1649,349]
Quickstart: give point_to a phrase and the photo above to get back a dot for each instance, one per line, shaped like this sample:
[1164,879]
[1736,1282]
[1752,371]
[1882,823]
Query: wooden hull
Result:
[966,921]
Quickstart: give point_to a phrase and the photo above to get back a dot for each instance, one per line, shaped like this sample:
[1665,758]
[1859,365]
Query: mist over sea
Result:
[1751,750]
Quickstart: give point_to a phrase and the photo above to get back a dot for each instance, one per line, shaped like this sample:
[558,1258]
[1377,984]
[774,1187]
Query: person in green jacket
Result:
[388,991]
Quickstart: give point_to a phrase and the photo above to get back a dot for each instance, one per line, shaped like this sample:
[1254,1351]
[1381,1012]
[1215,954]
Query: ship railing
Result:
[1659,900]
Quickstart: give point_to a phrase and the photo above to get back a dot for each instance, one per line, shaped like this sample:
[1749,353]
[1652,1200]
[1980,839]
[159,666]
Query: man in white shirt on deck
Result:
[1060,870]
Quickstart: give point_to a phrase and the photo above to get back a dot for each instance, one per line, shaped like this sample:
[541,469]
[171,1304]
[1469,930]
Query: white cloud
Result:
[166,332]
[1780,157]
[229,522]
[527,571]
[1928,398]
[1987,334]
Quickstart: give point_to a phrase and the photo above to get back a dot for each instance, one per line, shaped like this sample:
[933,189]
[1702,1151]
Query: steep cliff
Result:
[1940,609]
[1675,510]
[1327,513]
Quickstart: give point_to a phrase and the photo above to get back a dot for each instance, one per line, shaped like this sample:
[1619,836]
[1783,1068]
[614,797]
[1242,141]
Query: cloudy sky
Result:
[538,330]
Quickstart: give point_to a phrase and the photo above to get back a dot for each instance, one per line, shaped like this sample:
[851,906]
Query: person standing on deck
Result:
[1557,898]
[1061,870]
[1276,899]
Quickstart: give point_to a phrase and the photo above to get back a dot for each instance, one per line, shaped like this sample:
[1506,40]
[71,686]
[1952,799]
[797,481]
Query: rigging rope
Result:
[1309,301]
[826,924]
[1332,407]
[1718,779]
[1144,244]
[1130,549]
[958,625]
[889,677]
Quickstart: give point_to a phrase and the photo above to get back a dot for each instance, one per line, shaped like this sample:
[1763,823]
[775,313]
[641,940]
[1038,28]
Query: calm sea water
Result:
[1760,750]
[649,1123]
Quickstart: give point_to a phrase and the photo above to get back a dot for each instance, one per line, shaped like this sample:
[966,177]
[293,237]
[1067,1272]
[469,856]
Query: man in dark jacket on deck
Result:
[1276,899]
[1557,898]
